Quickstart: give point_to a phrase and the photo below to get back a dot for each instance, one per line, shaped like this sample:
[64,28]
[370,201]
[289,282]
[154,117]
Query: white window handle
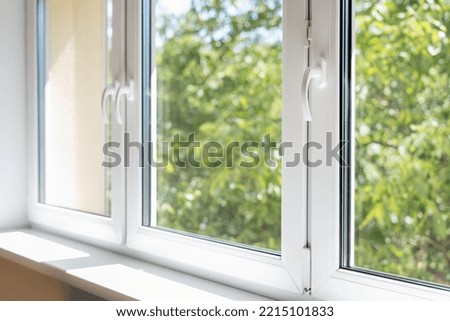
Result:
[126,90]
[310,74]
[108,92]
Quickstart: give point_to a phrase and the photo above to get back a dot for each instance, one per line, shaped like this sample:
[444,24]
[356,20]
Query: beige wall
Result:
[18,283]
[74,126]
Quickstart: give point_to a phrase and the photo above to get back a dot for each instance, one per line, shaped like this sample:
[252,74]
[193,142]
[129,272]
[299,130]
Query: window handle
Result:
[128,91]
[310,74]
[107,93]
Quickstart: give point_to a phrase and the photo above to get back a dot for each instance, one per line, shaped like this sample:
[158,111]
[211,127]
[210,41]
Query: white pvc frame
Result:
[329,280]
[284,277]
[108,231]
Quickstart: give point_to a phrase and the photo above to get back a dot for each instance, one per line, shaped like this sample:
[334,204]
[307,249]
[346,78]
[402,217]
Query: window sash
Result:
[68,221]
[329,199]
[347,133]
[283,277]
[277,277]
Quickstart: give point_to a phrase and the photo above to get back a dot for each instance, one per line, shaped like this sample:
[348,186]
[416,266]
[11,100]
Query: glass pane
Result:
[218,66]
[402,133]
[77,69]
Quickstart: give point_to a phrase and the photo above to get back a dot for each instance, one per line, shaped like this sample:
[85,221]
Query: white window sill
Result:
[106,274]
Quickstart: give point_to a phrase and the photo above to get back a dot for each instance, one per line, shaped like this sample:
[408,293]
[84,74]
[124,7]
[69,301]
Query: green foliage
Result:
[402,136]
[219,75]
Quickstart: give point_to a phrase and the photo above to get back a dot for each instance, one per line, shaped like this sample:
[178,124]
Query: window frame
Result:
[69,222]
[287,277]
[283,277]
[330,280]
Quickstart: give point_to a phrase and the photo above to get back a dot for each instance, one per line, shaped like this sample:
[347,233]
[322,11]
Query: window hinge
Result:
[308,34]
[306,271]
